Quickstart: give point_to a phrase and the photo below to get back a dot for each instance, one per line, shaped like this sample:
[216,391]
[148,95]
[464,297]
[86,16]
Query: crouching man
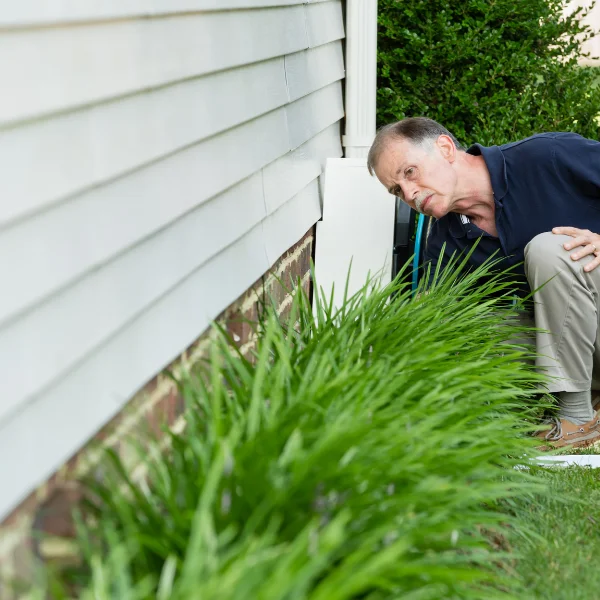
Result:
[536,200]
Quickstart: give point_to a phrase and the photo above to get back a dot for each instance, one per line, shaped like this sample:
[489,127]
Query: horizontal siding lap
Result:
[324,23]
[70,325]
[102,61]
[32,12]
[88,147]
[313,69]
[61,244]
[46,432]
[291,221]
[311,114]
[285,177]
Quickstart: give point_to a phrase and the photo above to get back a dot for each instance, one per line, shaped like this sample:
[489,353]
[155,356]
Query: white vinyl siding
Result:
[153,169]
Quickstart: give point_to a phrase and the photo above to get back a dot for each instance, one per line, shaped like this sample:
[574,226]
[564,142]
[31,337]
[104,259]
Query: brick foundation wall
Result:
[157,404]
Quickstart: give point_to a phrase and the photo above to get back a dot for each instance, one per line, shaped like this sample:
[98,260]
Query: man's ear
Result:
[446,147]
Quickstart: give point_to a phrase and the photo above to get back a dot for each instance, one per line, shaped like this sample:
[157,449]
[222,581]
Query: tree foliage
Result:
[492,71]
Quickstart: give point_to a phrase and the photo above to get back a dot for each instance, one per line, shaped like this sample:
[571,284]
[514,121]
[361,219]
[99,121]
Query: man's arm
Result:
[578,159]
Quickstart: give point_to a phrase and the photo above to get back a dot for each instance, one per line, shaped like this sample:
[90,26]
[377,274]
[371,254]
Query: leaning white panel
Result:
[50,428]
[289,223]
[91,63]
[61,244]
[82,149]
[34,12]
[324,22]
[313,69]
[43,345]
[357,229]
[311,114]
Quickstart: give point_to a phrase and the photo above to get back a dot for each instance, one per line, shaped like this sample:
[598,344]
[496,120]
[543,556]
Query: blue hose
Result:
[415,273]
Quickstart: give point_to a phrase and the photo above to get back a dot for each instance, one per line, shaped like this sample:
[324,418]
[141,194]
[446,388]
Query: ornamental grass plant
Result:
[363,452]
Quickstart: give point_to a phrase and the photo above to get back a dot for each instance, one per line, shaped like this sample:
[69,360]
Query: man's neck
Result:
[475,195]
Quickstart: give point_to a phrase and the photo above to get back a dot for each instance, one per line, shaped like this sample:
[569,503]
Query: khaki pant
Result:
[567,307]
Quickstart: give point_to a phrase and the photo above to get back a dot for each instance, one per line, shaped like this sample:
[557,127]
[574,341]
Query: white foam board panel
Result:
[357,229]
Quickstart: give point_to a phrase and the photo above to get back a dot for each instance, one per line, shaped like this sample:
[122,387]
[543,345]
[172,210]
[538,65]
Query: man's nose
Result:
[409,193]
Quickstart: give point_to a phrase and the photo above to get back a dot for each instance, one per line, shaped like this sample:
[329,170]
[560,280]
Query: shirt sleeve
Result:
[577,161]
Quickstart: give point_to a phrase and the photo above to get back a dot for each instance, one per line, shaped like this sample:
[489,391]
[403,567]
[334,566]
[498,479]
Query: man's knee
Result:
[546,251]
[546,245]
[546,258]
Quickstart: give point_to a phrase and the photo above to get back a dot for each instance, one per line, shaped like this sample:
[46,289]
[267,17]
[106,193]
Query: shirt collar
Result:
[494,160]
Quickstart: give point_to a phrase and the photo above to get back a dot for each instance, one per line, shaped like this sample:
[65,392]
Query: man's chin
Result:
[437,212]
[432,208]
[437,209]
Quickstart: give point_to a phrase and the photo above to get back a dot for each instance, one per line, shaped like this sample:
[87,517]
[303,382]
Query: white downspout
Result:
[361,76]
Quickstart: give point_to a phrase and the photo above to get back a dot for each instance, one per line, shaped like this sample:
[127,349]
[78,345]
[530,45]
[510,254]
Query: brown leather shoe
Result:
[595,422]
[561,432]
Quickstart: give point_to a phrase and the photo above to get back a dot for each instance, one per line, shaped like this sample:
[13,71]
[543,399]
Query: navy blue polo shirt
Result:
[544,181]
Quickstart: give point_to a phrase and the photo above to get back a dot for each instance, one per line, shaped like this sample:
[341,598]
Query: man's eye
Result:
[409,172]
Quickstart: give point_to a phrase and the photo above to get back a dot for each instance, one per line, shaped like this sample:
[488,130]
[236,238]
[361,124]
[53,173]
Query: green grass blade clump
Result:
[362,453]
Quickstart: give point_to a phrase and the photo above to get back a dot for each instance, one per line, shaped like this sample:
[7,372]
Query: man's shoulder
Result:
[541,141]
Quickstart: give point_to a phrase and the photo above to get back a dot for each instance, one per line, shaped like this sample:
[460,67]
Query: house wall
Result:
[156,162]
[593,19]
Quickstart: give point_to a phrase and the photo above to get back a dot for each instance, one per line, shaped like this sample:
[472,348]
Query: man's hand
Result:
[584,239]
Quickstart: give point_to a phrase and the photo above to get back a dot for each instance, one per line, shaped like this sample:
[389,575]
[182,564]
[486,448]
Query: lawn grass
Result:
[560,562]
[590,450]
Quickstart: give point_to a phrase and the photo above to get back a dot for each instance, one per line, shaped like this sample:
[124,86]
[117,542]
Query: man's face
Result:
[423,177]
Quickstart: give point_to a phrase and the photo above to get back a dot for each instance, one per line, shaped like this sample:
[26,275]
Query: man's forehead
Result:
[401,149]
[399,152]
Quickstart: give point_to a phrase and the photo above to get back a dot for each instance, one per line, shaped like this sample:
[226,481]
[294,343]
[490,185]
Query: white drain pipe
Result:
[361,76]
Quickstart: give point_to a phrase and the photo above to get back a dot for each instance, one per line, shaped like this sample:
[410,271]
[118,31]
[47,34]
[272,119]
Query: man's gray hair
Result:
[419,130]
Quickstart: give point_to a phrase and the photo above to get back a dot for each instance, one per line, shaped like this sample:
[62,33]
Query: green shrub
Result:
[491,71]
[359,456]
